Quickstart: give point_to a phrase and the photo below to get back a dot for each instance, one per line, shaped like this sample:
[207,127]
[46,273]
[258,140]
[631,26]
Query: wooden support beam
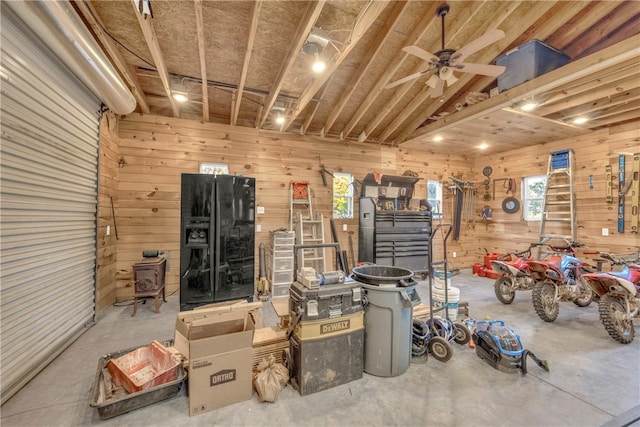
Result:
[365,64]
[525,18]
[365,19]
[255,14]
[304,27]
[605,59]
[312,111]
[149,34]
[197,5]
[426,22]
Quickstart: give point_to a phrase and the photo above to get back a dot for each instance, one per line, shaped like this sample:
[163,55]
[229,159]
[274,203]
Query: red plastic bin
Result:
[144,368]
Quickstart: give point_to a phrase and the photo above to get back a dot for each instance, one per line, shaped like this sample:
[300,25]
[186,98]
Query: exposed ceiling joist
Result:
[197,4]
[365,19]
[609,57]
[304,27]
[527,17]
[418,32]
[156,53]
[365,64]
[255,15]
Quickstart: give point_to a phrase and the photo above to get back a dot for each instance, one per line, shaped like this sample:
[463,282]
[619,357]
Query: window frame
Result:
[527,198]
[348,196]
[437,210]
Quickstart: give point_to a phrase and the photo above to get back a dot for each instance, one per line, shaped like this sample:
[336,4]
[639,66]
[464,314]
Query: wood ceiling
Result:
[241,63]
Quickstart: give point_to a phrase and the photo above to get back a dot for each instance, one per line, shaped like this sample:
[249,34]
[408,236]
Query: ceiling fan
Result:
[446,61]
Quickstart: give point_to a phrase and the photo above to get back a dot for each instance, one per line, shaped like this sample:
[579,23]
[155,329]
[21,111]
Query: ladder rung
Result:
[552,187]
[558,220]
[558,202]
[555,236]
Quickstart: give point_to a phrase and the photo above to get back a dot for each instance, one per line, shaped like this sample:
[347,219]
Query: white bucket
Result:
[439,279]
[453,297]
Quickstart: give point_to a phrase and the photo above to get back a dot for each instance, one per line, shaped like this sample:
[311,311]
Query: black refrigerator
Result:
[217,226]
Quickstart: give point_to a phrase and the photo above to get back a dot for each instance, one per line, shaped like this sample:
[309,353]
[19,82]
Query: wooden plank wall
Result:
[509,232]
[107,188]
[154,151]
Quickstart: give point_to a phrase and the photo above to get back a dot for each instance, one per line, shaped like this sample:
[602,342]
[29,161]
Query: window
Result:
[342,195]
[533,188]
[434,197]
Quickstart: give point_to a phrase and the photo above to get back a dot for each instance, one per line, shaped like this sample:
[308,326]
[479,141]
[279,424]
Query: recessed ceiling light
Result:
[580,120]
[180,96]
[438,138]
[529,106]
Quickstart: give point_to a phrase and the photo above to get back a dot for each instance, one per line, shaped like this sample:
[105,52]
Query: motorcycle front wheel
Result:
[504,289]
[544,301]
[615,320]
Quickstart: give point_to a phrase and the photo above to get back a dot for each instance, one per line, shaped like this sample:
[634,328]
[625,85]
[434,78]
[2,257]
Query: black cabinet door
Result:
[234,254]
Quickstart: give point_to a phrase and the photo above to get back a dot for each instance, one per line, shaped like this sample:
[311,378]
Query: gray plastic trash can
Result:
[388,319]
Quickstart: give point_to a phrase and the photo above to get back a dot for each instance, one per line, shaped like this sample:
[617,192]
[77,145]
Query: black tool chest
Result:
[394,227]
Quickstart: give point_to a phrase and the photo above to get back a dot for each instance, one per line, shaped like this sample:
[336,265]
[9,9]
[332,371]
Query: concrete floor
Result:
[592,378]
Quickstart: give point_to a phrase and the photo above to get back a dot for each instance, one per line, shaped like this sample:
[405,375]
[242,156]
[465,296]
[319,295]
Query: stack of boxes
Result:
[327,343]
[280,263]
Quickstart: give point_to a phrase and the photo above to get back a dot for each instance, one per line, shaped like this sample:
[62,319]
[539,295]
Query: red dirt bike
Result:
[559,279]
[515,275]
[619,292]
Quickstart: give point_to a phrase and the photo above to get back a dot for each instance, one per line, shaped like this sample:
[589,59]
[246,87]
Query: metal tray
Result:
[117,401]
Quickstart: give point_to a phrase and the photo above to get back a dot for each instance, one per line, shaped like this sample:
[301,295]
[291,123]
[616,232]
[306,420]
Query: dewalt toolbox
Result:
[325,302]
[327,353]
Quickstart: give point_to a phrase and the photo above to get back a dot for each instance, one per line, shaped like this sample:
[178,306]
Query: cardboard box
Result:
[219,353]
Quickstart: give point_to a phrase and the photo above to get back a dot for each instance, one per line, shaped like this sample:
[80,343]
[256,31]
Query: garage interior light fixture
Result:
[316,41]
[438,138]
[528,106]
[580,120]
[180,96]
[278,112]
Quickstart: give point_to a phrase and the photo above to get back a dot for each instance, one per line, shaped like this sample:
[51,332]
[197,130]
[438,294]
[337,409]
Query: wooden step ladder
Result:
[559,209]
[309,227]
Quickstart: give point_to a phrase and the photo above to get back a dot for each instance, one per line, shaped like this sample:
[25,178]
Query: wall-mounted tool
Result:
[510,205]
[621,161]
[608,183]
[508,183]
[635,192]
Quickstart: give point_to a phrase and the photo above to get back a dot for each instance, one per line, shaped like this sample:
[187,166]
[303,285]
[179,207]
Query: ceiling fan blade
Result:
[421,53]
[437,91]
[484,40]
[484,69]
[406,79]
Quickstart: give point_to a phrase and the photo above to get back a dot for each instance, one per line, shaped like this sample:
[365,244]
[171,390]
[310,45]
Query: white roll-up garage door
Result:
[48,202]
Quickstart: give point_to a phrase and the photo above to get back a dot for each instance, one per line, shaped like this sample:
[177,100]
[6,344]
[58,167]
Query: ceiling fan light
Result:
[433,81]
[451,80]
